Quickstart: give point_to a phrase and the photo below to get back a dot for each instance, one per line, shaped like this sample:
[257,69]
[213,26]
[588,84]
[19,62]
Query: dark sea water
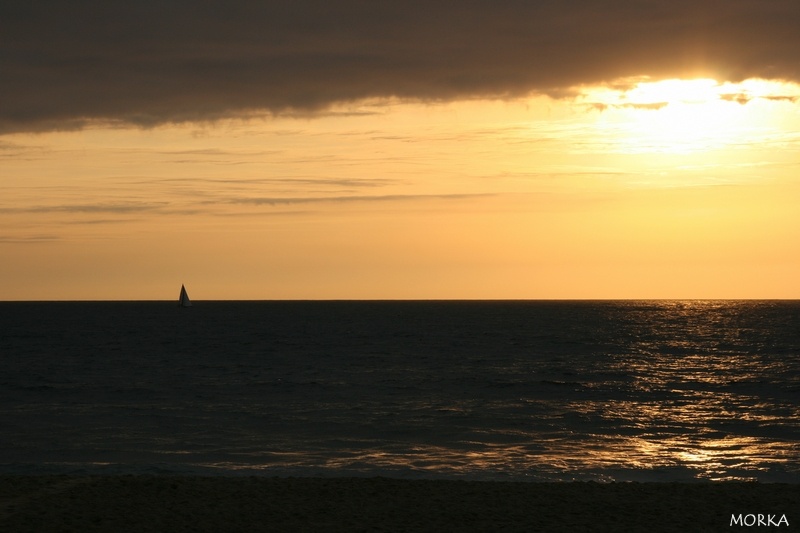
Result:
[619,390]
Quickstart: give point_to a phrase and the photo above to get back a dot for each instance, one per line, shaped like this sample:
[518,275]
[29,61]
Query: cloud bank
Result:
[149,62]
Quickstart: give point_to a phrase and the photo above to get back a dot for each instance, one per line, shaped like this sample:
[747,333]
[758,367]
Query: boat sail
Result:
[184,300]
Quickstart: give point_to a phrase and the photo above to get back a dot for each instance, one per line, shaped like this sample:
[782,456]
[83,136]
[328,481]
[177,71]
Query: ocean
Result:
[490,390]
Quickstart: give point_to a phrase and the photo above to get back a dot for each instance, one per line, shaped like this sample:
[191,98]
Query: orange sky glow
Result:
[679,193]
[277,157]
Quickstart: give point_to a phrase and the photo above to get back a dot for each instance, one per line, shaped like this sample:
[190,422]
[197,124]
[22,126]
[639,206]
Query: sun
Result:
[688,116]
[685,116]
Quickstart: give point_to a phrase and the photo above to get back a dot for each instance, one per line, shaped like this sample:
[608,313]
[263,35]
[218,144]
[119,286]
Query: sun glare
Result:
[687,116]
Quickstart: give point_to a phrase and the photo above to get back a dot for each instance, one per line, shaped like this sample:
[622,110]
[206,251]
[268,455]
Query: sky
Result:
[399,150]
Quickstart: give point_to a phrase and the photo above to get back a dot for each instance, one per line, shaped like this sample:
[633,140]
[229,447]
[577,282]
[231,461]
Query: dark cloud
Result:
[778,98]
[597,106]
[739,98]
[147,62]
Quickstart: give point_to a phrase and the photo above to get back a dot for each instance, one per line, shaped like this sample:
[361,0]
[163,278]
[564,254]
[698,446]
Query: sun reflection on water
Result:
[711,408]
[667,391]
[678,391]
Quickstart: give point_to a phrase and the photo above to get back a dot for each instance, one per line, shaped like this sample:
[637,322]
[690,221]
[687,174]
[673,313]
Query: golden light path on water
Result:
[694,364]
[631,391]
[680,458]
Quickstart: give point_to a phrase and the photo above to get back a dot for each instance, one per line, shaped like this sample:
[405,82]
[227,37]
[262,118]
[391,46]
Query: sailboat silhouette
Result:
[184,300]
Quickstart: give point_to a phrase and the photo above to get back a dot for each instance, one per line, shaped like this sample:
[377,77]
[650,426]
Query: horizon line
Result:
[610,299]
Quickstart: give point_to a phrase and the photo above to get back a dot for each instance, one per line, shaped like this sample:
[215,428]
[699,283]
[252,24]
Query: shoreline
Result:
[219,503]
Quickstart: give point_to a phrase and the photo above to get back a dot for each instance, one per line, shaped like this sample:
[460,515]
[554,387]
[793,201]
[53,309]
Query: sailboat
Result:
[184,300]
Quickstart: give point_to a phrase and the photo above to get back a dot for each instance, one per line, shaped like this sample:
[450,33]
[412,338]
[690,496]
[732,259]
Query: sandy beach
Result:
[167,503]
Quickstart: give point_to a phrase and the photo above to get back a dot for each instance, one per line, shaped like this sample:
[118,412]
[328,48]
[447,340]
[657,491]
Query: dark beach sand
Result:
[174,504]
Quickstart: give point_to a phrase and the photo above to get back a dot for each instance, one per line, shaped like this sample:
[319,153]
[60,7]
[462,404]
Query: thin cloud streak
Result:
[339,199]
[294,181]
[32,239]
[64,65]
[206,206]
[86,208]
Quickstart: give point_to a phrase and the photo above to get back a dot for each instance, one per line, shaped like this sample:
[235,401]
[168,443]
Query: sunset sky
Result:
[364,149]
